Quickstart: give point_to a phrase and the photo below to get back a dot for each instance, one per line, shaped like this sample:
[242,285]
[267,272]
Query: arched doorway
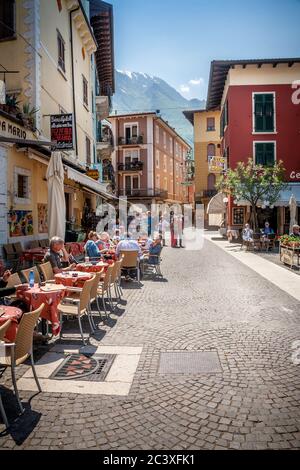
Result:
[211,182]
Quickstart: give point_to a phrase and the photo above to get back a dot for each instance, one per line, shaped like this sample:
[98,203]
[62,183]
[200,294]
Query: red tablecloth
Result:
[14,314]
[34,297]
[96,268]
[71,281]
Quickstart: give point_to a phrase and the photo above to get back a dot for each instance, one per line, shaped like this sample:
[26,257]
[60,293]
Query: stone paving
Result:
[207,301]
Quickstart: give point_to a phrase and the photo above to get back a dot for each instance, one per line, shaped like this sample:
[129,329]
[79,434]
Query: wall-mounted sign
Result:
[62,131]
[216,164]
[93,173]
[9,129]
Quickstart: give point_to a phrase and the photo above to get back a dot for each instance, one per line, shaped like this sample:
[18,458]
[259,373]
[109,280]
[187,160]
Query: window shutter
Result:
[269,154]
[269,112]
[258,112]
[259,154]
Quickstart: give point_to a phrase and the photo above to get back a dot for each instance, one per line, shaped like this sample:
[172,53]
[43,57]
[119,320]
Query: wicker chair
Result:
[21,350]
[34,244]
[14,280]
[47,271]
[131,261]
[104,289]
[26,273]
[3,330]
[78,307]
[94,295]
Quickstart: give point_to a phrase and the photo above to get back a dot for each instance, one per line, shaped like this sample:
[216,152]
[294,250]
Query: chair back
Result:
[13,280]
[18,248]
[34,244]
[95,284]
[9,249]
[43,243]
[26,272]
[256,236]
[130,259]
[107,277]
[119,267]
[3,329]
[86,293]
[47,271]
[25,333]
[271,236]
[114,273]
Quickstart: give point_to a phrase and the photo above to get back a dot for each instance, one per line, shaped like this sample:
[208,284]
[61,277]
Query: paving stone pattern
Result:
[207,301]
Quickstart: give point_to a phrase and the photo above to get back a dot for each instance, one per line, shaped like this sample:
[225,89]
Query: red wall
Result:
[238,134]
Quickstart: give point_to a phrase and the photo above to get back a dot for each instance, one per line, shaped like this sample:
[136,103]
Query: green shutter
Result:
[269,154]
[259,154]
[264,112]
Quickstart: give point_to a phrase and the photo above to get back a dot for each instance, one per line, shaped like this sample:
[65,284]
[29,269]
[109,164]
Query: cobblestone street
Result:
[207,301]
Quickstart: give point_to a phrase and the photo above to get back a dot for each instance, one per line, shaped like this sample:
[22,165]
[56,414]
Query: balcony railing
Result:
[142,193]
[132,166]
[131,141]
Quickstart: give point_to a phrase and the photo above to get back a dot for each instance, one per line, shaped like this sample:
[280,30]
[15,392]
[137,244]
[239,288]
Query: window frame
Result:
[264,142]
[157,158]
[14,33]
[88,153]
[26,173]
[210,128]
[60,39]
[85,82]
[274,112]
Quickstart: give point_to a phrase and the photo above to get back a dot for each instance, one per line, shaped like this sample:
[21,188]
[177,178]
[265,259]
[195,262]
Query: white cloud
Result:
[197,81]
[184,88]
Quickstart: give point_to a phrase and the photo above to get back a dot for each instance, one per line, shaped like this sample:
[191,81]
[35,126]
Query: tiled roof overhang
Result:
[219,70]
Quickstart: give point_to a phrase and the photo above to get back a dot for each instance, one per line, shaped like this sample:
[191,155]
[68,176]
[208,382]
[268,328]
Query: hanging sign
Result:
[216,164]
[62,131]
[93,173]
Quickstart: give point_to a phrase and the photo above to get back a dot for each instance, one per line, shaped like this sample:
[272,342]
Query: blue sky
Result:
[176,40]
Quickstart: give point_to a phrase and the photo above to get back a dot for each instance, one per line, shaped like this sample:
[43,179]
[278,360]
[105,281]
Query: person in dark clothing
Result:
[7,291]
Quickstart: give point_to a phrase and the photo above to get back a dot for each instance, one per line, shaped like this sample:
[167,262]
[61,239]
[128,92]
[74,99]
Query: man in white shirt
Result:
[128,244]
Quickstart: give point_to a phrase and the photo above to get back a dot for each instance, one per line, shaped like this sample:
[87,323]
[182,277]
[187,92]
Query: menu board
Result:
[238,215]
[62,131]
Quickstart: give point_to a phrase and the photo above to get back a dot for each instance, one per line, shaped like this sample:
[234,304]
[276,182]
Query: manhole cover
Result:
[193,362]
[92,368]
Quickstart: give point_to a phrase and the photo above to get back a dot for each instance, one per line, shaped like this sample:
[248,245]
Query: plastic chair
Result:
[103,289]
[14,280]
[21,350]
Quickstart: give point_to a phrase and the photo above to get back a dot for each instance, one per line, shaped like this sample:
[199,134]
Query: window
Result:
[210,124]
[165,184]
[264,153]
[171,145]
[61,52]
[157,158]
[135,182]
[157,179]
[211,182]
[165,139]
[85,91]
[211,151]
[165,163]
[224,119]
[238,215]
[7,19]
[131,133]
[263,104]
[157,134]
[88,150]
[22,186]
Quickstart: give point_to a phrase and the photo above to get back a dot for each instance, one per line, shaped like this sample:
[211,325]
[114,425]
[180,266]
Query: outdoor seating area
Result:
[39,304]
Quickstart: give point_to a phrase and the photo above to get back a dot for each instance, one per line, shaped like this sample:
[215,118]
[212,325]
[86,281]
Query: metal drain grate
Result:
[189,362]
[87,367]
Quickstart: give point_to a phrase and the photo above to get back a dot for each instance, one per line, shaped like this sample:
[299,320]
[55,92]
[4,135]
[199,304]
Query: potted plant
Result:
[11,105]
[28,115]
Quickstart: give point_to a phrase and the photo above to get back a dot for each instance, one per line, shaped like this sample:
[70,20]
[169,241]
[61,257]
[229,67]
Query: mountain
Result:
[138,92]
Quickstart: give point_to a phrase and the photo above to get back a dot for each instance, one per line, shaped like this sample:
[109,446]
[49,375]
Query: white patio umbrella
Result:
[293,210]
[56,197]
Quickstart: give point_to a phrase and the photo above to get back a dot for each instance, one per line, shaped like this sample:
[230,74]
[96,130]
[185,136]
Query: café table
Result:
[10,313]
[72,278]
[92,268]
[50,295]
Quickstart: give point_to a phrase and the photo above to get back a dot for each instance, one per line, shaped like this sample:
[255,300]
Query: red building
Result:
[260,118]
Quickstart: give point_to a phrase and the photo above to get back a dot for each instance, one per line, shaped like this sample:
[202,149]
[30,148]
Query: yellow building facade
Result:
[50,50]
[206,145]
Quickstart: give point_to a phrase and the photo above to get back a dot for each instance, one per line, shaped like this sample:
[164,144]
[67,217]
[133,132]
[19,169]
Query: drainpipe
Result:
[72,77]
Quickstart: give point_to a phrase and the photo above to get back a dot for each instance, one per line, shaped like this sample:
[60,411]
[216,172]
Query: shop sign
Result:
[93,173]
[62,131]
[295,175]
[9,129]
[216,164]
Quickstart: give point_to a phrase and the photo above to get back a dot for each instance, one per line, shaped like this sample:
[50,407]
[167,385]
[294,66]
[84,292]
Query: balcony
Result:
[132,166]
[137,140]
[104,143]
[103,106]
[143,193]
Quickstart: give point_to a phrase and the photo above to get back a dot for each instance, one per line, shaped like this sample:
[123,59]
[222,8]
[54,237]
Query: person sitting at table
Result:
[267,230]
[128,244]
[91,247]
[7,291]
[58,256]
[155,250]
[104,242]
[247,233]
[296,231]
